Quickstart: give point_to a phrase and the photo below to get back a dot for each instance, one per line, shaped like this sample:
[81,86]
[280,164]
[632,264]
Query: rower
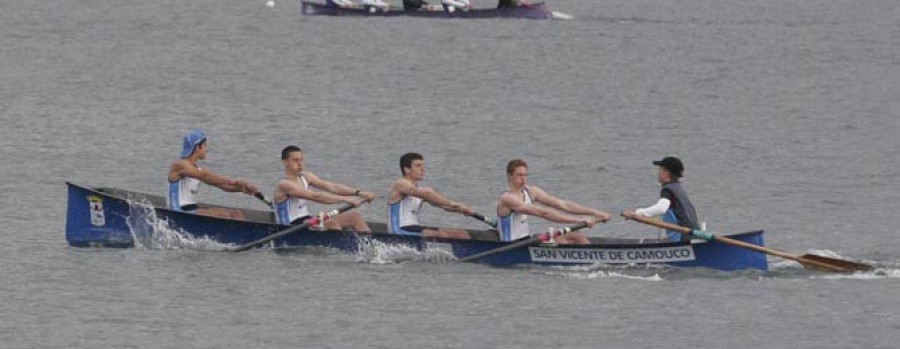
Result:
[518,202]
[340,3]
[405,200]
[185,177]
[452,5]
[292,192]
[375,5]
[512,4]
[415,5]
[674,204]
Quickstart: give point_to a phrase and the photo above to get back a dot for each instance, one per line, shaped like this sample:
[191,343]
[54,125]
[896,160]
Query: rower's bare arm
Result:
[437,200]
[329,186]
[515,204]
[297,190]
[567,206]
[206,176]
[430,196]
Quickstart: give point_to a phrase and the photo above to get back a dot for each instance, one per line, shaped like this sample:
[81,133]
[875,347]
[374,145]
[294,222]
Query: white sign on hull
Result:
[612,255]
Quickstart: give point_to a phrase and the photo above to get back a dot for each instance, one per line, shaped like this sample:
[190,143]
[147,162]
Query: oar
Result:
[486,220]
[294,229]
[263,198]
[517,244]
[807,260]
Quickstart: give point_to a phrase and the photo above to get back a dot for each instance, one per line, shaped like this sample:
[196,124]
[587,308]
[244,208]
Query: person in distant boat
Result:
[292,192]
[405,199]
[512,4]
[373,5]
[185,178]
[519,201]
[674,204]
[340,3]
[453,5]
[414,5]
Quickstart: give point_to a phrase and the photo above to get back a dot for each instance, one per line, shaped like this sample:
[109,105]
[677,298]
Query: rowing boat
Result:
[99,217]
[533,11]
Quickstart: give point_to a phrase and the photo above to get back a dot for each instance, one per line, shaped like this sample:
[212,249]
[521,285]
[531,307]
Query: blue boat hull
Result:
[100,217]
[535,11]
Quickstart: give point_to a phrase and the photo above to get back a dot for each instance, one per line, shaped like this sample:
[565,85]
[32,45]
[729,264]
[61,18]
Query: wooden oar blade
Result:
[839,263]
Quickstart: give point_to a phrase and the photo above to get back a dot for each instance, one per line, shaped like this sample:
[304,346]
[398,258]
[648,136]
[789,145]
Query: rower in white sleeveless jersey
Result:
[185,177]
[520,201]
[513,3]
[405,199]
[293,192]
[673,205]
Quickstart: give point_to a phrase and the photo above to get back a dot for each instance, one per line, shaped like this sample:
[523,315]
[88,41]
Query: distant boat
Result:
[99,217]
[533,11]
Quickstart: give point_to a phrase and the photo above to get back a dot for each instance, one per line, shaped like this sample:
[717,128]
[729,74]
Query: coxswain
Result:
[673,205]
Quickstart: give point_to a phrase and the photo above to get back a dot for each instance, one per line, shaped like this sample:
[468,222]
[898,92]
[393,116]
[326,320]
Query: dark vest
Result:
[681,205]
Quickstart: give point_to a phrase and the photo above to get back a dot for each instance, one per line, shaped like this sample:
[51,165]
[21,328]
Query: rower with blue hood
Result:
[185,177]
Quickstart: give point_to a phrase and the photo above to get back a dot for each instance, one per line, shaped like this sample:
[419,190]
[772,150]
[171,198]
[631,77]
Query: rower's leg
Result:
[332,224]
[573,238]
[447,233]
[351,219]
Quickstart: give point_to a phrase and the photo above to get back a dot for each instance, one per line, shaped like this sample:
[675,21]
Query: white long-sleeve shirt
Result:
[659,208]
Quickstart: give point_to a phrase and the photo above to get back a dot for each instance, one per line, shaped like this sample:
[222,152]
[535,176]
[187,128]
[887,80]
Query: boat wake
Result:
[377,252]
[153,233]
[605,271]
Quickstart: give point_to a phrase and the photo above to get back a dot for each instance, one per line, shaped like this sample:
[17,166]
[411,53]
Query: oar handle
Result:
[262,198]
[294,229]
[487,220]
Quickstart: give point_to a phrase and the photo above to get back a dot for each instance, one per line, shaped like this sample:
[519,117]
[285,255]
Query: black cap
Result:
[671,164]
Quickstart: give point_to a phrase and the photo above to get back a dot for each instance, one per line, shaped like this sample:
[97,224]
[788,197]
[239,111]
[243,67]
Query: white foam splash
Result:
[600,274]
[874,274]
[377,252]
[154,233]
[825,253]
[785,264]
[560,15]
[602,271]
